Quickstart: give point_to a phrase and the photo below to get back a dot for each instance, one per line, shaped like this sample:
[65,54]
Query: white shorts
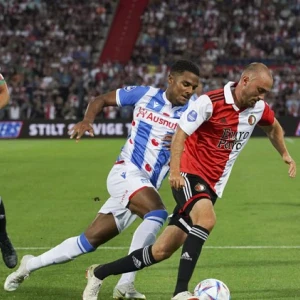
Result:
[123,181]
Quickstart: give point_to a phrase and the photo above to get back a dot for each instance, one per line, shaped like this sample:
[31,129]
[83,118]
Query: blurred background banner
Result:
[59,129]
[102,129]
[290,125]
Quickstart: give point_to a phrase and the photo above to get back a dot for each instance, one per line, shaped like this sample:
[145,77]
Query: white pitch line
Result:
[289,140]
[207,247]
[252,247]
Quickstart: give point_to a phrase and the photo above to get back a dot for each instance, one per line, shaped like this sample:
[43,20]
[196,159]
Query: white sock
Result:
[66,251]
[144,235]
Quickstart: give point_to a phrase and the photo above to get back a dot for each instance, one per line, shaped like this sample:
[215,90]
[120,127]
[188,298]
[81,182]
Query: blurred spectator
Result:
[110,112]
[49,109]
[52,67]
[14,111]
[293,105]
[69,111]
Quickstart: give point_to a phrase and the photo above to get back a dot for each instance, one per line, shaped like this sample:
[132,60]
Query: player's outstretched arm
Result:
[177,146]
[276,136]
[4,94]
[95,107]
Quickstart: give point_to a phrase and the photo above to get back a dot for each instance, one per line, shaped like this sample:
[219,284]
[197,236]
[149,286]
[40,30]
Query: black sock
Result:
[189,256]
[135,261]
[3,233]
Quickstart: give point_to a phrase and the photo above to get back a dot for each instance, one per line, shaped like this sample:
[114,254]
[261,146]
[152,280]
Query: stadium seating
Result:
[52,66]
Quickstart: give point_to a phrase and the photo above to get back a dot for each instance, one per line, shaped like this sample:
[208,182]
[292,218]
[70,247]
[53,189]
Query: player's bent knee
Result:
[210,226]
[208,223]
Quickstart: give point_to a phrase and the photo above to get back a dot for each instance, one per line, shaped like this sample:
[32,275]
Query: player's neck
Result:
[236,96]
[168,94]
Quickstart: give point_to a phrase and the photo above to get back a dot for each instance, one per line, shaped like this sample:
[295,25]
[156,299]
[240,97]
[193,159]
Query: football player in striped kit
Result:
[8,252]
[210,135]
[136,177]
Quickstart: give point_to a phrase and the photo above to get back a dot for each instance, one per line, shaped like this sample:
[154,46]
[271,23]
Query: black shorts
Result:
[195,189]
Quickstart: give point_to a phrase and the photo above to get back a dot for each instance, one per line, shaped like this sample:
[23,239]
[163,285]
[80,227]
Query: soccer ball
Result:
[212,289]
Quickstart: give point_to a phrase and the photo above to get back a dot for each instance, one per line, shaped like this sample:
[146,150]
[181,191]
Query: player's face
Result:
[181,87]
[255,90]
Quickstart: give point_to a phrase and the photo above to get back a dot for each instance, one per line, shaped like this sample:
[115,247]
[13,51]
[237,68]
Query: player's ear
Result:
[245,80]
[170,79]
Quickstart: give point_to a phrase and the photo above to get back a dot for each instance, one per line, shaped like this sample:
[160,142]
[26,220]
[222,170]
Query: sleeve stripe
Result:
[118,97]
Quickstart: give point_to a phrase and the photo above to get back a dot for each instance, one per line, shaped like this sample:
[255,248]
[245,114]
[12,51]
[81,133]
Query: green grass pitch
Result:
[49,188]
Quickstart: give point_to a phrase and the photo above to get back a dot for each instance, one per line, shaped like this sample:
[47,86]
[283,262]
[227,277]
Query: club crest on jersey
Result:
[130,88]
[199,187]
[251,120]
[192,116]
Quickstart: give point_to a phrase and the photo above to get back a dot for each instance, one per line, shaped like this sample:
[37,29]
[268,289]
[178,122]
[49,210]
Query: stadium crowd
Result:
[50,59]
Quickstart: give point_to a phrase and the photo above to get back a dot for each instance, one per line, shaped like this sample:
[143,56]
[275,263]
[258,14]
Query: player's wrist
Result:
[285,154]
[174,172]
[88,120]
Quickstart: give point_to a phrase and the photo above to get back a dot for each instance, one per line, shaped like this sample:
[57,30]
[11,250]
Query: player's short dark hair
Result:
[183,65]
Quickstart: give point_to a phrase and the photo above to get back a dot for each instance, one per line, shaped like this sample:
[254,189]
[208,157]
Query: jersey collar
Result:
[164,96]
[228,94]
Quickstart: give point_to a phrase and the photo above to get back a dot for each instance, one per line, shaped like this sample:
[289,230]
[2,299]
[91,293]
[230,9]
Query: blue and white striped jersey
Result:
[153,118]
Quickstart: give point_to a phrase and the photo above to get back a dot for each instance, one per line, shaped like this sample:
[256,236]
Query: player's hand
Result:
[292,165]
[79,129]
[167,141]
[176,181]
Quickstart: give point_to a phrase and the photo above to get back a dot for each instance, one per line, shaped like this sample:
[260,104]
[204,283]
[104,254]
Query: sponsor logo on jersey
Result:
[192,116]
[232,139]
[124,197]
[251,120]
[10,129]
[142,112]
[152,116]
